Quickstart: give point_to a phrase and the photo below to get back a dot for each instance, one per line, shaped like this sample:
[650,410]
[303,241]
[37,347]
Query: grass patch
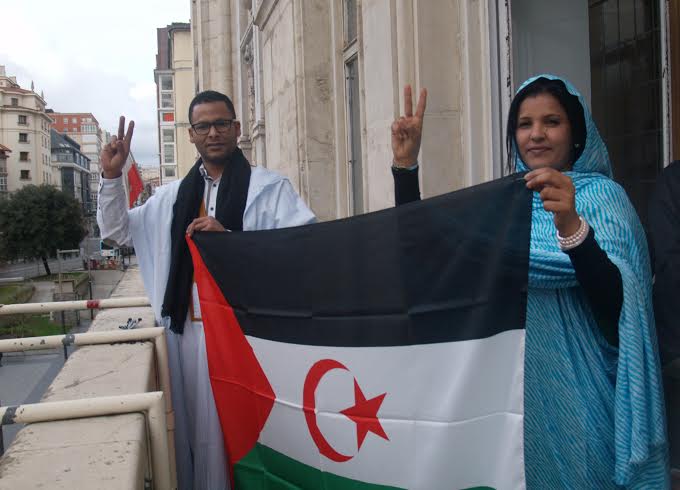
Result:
[31,326]
[78,276]
[15,293]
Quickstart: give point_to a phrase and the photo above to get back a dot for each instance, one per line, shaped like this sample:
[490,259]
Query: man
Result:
[664,241]
[221,192]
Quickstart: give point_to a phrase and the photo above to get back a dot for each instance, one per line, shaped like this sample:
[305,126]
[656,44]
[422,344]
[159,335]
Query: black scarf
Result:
[231,204]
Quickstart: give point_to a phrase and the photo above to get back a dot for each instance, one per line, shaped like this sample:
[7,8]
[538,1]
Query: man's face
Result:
[218,144]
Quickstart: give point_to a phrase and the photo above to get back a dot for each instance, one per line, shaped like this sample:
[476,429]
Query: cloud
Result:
[143,91]
[88,58]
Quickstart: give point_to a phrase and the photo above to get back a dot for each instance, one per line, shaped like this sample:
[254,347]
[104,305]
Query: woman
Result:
[593,404]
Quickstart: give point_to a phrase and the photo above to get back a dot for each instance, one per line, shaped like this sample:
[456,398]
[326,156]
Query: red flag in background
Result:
[135,182]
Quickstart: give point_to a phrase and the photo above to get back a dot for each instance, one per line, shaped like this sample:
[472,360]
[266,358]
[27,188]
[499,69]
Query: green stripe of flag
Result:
[265,469]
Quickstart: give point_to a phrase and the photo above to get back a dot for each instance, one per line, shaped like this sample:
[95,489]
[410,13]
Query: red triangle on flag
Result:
[243,395]
[135,183]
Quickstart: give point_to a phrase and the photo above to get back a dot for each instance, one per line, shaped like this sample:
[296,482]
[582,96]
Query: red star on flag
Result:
[364,413]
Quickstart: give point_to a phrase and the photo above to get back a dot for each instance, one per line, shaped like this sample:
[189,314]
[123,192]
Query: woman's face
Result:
[543,133]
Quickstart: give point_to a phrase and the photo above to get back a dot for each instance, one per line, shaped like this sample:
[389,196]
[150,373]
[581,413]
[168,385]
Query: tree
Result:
[36,221]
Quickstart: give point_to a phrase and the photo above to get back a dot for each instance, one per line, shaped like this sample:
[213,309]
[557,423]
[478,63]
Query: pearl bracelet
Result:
[573,241]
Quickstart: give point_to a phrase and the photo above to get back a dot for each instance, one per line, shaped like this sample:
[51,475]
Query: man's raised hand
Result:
[408,129]
[115,153]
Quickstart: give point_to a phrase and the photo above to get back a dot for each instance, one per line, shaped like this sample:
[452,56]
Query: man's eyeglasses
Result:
[221,126]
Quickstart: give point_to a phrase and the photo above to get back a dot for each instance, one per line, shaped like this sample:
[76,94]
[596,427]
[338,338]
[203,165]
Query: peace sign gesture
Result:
[407,130]
[115,153]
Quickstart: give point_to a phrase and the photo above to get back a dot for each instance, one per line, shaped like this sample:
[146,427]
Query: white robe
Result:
[271,203]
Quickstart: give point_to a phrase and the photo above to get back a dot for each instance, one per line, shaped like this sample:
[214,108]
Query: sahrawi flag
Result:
[380,351]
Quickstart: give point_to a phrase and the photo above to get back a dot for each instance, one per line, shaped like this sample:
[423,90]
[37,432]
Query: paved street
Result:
[24,377]
[34,269]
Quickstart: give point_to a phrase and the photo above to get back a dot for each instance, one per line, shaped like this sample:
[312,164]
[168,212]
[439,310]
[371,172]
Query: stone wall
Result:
[287,78]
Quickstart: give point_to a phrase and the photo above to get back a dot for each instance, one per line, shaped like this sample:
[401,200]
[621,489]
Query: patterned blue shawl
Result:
[618,390]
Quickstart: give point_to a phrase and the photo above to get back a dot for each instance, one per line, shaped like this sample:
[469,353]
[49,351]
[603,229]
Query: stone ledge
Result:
[101,452]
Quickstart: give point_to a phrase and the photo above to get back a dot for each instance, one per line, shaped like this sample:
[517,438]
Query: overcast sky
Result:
[91,56]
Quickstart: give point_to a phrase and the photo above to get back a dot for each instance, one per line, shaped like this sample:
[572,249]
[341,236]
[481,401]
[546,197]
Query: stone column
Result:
[256,104]
[295,43]
[438,62]
[212,24]
[379,60]
[443,46]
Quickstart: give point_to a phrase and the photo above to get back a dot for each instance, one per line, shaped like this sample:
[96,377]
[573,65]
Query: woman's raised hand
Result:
[408,129]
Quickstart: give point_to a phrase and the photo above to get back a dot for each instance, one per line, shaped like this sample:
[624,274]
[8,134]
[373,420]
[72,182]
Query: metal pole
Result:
[63,330]
[151,404]
[23,344]
[59,265]
[89,285]
[96,304]
[157,334]
[2,439]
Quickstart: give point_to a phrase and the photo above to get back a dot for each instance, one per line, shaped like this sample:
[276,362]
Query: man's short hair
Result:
[210,96]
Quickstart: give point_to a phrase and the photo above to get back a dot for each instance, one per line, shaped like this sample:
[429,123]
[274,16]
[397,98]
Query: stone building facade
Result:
[174,78]
[74,169]
[25,133]
[84,129]
[317,84]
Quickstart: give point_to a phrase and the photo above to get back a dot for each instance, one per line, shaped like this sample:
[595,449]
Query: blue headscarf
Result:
[635,423]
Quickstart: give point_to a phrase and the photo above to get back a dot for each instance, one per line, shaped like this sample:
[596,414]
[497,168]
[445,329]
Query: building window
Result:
[23,120]
[25,175]
[166,82]
[354,133]
[166,100]
[74,120]
[168,116]
[66,120]
[627,84]
[3,183]
[350,20]
[169,171]
[23,156]
[168,136]
[168,153]
[15,102]
[23,137]
[350,57]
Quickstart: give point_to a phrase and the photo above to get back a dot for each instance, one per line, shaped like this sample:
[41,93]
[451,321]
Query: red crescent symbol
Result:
[312,380]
